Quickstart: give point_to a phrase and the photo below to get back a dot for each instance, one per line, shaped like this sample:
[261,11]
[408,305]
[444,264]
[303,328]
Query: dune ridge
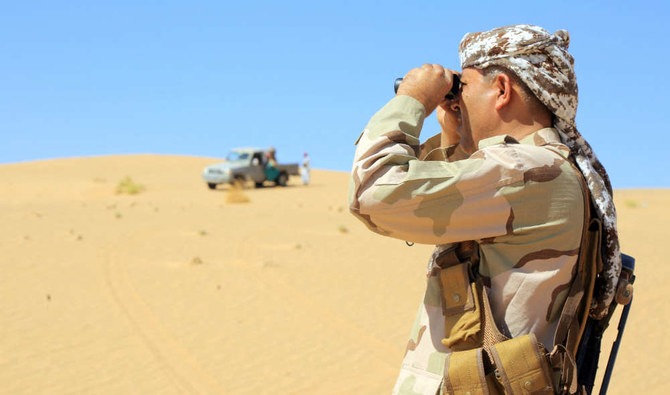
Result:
[177,290]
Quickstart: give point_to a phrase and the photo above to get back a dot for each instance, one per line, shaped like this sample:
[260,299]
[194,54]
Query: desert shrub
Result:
[128,187]
[236,194]
[631,203]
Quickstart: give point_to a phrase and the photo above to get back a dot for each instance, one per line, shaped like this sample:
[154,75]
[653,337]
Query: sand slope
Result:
[174,290]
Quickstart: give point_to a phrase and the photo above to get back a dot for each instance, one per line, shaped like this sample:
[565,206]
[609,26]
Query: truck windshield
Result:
[237,156]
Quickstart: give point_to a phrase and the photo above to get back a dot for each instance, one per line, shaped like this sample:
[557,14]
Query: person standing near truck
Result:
[271,171]
[304,169]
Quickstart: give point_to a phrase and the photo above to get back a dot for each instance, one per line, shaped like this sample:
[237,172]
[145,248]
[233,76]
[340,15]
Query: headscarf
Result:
[541,60]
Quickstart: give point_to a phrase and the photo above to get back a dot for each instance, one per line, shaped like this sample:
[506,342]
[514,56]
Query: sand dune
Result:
[174,290]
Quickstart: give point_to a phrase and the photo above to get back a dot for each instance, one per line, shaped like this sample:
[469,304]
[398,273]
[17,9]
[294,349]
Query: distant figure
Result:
[304,169]
[271,171]
[271,155]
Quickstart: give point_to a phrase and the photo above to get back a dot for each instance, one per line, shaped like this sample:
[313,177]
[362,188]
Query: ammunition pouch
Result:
[484,361]
[461,308]
[515,366]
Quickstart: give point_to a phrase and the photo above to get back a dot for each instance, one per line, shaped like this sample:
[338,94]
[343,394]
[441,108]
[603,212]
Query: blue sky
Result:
[201,77]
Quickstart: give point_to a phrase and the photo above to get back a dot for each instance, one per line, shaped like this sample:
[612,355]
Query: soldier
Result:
[499,176]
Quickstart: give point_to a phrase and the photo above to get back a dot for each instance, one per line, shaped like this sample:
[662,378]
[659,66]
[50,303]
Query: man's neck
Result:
[519,130]
[516,130]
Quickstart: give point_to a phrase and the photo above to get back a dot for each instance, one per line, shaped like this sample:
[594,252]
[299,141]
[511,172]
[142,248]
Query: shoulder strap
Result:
[575,310]
[574,314]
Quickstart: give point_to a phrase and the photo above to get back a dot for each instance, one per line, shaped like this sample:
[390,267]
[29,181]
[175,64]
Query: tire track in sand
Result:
[247,251]
[179,366]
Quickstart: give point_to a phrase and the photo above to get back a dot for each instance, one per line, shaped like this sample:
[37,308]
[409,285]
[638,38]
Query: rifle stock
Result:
[588,353]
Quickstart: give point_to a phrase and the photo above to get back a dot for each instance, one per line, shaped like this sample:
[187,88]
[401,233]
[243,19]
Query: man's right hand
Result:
[449,118]
[428,84]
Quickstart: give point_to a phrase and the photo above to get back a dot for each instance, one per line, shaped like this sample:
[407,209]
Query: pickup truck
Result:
[247,164]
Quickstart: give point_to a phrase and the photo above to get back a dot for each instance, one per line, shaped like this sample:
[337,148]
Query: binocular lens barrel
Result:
[455,87]
[396,84]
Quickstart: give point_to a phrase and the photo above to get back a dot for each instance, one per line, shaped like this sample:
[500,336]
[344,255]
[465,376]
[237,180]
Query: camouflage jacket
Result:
[521,201]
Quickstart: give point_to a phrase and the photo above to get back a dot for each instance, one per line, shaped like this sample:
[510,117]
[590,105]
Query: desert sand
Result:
[178,290]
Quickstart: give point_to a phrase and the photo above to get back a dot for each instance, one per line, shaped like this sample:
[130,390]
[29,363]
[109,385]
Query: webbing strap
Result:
[572,321]
[560,357]
[567,329]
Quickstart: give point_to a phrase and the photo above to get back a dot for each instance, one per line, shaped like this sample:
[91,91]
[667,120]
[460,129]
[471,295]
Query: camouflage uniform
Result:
[521,201]
[542,61]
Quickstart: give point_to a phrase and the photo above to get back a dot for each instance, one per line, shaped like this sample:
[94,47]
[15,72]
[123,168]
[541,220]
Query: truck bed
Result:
[292,169]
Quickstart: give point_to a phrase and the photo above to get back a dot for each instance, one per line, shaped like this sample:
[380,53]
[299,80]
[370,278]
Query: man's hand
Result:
[428,84]
[449,119]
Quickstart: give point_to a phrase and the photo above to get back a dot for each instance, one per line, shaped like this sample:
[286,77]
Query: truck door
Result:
[257,166]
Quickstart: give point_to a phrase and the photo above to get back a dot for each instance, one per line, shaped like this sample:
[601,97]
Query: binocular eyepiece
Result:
[455,87]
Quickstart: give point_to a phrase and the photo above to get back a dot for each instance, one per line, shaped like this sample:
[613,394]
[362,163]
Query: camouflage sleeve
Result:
[431,150]
[429,146]
[432,202]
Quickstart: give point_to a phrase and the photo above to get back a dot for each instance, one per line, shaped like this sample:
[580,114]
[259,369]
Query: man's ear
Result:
[503,84]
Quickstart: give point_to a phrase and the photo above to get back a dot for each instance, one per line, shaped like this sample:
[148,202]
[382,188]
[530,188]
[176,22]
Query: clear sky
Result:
[82,78]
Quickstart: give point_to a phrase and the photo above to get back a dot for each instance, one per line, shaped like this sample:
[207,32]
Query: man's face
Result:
[476,103]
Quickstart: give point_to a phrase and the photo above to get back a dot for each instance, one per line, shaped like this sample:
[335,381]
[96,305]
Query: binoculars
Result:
[455,87]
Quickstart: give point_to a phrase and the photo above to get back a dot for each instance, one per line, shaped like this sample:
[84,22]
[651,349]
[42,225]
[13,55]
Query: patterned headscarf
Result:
[541,60]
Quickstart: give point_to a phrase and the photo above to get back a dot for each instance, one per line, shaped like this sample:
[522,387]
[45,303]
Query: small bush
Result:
[631,204]
[236,194]
[128,187]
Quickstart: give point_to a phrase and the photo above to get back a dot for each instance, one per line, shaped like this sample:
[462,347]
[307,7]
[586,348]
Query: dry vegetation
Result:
[128,187]
[236,194]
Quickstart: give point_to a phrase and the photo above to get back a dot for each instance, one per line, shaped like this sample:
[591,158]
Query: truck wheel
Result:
[211,185]
[282,179]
